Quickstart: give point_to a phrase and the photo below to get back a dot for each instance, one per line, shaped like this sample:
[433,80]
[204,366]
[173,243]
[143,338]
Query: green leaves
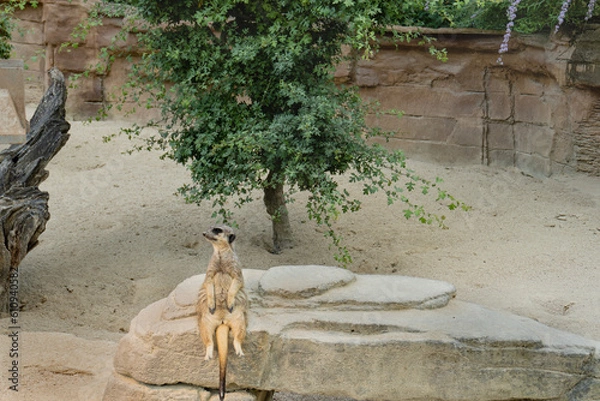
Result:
[7,9]
[251,103]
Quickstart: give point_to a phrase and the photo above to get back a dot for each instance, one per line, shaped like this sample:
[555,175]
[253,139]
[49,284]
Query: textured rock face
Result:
[473,110]
[364,337]
[584,66]
[587,141]
[584,70]
[45,28]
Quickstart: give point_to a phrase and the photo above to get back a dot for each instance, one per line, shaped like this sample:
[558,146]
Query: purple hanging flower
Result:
[590,11]
[512,15]
[563,12]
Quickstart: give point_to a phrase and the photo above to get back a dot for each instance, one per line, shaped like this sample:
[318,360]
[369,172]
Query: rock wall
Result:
[535,112]
[587,142]
[39,40]
[471,109]
[584,71]
[13,121]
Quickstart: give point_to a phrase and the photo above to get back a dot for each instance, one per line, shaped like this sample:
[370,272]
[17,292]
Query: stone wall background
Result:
[538,112]
[526,113]
[38,41]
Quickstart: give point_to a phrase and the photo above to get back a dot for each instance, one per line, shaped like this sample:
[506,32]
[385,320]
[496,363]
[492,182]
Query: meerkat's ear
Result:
[231,238]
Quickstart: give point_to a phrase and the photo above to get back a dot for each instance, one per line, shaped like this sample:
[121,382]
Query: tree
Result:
[6,27]
[7,9]
[249,103]
[5,46]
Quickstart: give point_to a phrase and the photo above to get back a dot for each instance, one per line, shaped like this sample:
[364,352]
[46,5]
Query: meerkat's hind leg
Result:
[210,352]
[239,334]
[207,330]
[210,348]
[237,346]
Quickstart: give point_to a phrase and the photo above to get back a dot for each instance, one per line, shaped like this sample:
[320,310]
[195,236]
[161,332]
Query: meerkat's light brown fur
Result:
[222,303]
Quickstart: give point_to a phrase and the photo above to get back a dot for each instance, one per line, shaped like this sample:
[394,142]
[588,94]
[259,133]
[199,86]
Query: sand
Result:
[119,239]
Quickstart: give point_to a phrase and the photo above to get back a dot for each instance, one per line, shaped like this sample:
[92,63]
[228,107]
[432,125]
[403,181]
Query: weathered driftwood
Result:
[23,207]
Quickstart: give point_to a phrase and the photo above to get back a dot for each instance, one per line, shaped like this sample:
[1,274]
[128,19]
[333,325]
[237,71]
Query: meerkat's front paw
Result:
[209,352]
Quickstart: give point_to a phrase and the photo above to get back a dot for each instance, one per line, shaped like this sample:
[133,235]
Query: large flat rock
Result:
[367,337]
[13,122]
[303,281]
[11,128]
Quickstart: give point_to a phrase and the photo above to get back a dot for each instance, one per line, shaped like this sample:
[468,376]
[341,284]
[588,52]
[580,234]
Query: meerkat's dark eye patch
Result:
[231,238]
[217,230]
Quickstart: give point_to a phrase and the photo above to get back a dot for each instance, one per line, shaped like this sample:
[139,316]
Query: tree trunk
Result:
[277,209]
[23,207]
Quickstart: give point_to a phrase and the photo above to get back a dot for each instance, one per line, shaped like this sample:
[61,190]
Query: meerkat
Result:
[222,303]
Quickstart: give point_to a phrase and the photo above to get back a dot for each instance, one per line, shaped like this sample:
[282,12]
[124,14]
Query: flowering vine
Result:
[591,6]
[512,15]
[561,16]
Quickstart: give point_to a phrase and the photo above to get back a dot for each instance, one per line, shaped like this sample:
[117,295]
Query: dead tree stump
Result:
[23,207]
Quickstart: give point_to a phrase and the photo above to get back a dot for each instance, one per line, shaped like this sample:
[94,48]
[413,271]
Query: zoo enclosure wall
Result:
[539,111]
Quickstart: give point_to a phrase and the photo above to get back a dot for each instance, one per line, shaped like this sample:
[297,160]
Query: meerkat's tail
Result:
[222,348]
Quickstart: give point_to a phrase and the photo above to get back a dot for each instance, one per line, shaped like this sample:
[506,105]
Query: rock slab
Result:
[13,122]
[363,337]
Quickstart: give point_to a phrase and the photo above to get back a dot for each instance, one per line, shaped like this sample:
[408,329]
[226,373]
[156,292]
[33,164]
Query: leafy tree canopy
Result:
[7,9]
[251,104]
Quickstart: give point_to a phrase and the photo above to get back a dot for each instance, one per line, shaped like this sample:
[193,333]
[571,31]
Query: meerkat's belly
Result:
[222,284]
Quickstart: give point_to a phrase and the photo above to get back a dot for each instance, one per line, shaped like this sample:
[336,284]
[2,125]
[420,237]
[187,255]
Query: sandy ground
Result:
[119,239]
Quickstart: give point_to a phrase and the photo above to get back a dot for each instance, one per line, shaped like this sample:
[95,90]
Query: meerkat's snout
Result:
[219,233]
[212,233]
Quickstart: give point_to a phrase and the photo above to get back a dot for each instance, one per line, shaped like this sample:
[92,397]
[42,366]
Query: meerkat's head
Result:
[220,236]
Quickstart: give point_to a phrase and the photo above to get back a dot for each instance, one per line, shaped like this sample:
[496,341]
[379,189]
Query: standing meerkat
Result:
[222,302]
